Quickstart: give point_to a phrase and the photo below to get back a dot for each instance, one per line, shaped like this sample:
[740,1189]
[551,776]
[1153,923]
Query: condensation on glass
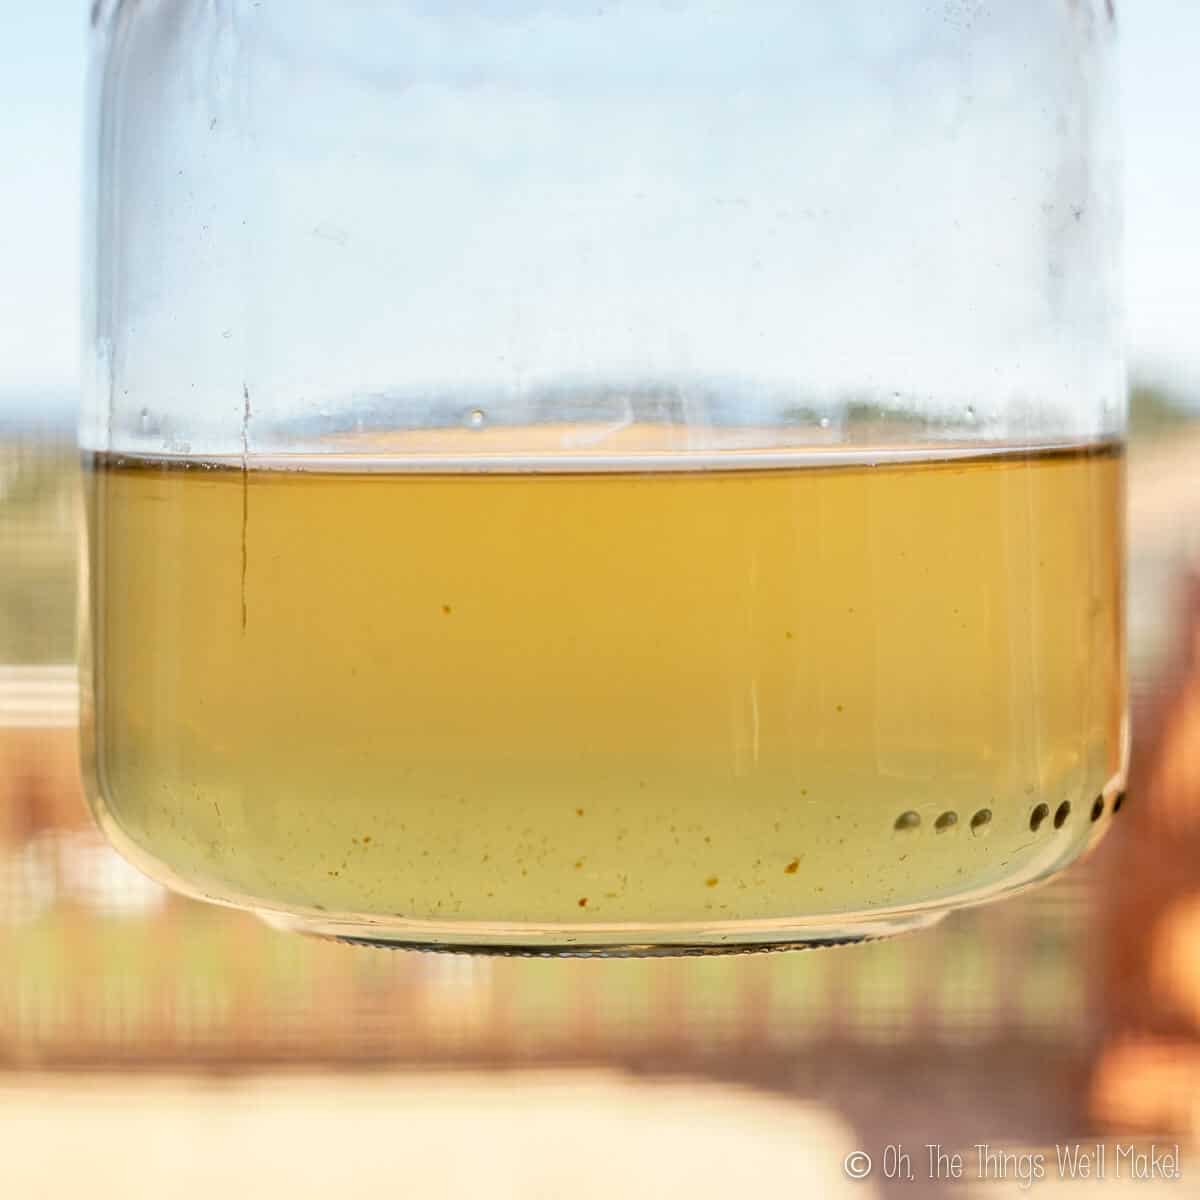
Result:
[582,478]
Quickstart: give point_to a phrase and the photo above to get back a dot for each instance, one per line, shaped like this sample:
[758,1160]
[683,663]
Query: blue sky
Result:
[41,118]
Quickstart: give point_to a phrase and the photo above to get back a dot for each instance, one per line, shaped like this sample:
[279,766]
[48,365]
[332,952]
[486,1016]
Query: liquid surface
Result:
[608,696]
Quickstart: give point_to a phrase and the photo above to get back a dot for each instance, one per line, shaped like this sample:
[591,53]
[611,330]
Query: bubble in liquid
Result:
[906,822]
[477,418]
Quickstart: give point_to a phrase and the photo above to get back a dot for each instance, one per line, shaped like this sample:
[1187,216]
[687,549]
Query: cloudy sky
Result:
[41,101]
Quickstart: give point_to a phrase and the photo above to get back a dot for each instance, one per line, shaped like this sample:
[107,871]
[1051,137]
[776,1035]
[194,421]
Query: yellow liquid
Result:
[608,696]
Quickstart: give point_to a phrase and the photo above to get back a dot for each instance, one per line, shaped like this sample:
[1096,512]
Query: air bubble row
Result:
[908,822]
[1042,811]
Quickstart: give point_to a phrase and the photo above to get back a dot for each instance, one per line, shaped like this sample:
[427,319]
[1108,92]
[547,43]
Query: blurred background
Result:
[151,1046]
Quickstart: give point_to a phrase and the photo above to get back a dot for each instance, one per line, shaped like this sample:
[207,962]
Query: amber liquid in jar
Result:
[619,695]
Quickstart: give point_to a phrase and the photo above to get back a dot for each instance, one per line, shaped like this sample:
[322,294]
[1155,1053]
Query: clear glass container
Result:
[616,477]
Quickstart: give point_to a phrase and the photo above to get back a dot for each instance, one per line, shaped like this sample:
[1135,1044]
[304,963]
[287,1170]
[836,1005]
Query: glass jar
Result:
[604,477]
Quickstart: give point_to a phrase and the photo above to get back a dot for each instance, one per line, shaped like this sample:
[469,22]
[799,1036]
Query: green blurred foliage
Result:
[40,524]
[1156,410]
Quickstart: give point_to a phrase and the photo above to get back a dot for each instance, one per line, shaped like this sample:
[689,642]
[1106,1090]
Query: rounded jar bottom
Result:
[523,941]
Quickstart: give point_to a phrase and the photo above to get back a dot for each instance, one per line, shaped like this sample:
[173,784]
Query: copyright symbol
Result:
[857,1164]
